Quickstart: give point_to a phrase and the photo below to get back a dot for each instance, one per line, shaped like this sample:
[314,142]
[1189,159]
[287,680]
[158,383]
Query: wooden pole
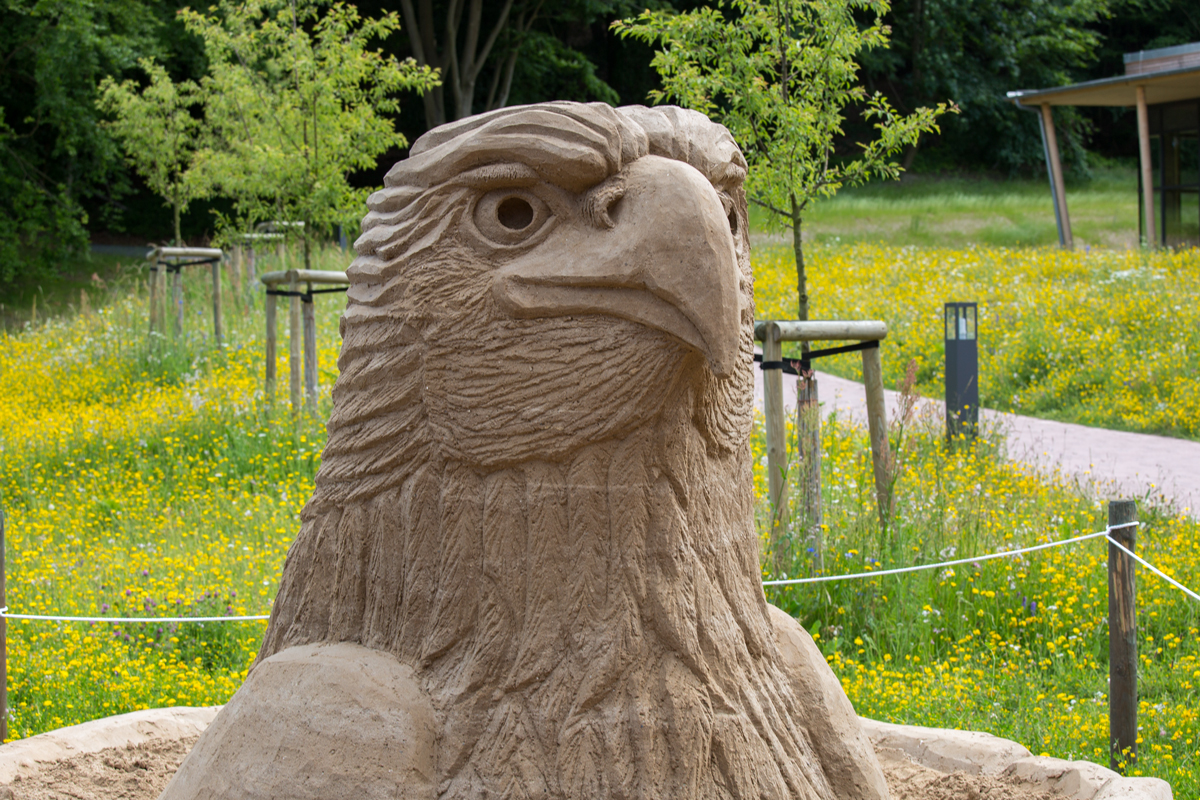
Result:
[294,336]
[235,274]
[310,352]
[1143,124]
[808,445]
[218,332]
[3,638]
[881,456]
[1122,637]
[776,449]
[177,298]
[269,383]
[153,296]
[1060,192]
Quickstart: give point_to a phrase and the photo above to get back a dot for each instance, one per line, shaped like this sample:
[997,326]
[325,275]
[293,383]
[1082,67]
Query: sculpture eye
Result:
[730,213]
[510,216]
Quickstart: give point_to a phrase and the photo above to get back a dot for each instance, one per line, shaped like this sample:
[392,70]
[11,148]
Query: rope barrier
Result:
[1153,568]
[4,612]
[956,562]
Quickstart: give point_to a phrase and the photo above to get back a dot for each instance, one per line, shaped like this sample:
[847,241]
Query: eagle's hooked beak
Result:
[668,261]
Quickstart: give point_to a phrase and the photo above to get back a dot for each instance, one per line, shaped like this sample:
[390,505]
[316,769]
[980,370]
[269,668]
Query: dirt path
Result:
[1111,464]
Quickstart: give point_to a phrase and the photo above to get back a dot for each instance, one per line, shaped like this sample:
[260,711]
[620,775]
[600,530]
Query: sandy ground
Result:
[140,772]
[1111,464]
[134,772]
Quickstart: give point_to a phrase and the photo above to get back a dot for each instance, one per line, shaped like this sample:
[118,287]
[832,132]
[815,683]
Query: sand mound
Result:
[140,772]
[133,772]
[133,757]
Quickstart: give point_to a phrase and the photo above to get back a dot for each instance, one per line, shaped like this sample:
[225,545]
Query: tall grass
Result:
[146,475]
[1017,647]
[1105,338]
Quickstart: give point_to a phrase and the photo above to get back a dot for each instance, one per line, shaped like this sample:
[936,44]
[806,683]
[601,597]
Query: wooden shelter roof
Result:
[1167,86]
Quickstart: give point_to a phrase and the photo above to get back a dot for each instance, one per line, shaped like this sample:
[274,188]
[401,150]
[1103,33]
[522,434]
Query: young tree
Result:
[780,74]
[159,133]
[296,101]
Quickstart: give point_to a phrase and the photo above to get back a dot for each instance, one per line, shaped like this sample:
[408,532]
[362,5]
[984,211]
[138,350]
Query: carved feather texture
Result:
[549,518]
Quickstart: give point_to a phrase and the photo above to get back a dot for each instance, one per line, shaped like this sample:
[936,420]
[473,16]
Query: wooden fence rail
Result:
[772,334]
[301,308]
[173,260]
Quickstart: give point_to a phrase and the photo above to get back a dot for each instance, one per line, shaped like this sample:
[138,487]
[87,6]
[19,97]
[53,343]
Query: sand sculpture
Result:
[529,567]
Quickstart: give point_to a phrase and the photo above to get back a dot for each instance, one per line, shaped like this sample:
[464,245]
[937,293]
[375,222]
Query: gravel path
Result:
[1111,464]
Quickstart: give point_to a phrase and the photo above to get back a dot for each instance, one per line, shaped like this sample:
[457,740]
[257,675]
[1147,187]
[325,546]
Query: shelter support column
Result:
[1065,237]
[1143,124]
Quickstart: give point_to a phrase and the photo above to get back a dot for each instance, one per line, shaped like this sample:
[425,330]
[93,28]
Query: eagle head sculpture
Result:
[529,567]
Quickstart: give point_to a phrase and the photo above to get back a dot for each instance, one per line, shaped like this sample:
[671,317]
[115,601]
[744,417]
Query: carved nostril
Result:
[602,205]
[733,221]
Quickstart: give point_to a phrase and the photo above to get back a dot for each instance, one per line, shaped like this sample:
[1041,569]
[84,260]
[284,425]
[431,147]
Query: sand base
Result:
[87,762]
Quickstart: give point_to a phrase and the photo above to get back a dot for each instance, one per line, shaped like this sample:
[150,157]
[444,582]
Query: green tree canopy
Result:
[974,51]
[160,129]
[55,156]
[295,102]
[781,74]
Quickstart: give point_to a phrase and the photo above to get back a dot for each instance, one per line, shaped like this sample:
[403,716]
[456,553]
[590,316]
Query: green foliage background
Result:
[63,178]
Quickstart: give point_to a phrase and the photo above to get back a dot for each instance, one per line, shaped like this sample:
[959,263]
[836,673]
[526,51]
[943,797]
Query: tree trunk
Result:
[801,275]
[459,69]
[178,238]
[808,419]
[808,461]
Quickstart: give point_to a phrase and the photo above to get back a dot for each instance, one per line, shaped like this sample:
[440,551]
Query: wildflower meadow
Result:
[150,476]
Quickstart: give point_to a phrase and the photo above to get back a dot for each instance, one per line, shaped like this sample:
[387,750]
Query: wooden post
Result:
[3,638]
[1122,637]
[881,456]
[177,298]
[218,332]
[251,265]
[777,465]
[1143,124]
[269,383]
[310,352]
[1060,192]
[154,295]
[808,460]
[235,273]
[294,343]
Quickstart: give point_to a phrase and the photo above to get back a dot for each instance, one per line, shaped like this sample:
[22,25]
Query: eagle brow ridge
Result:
[494,176]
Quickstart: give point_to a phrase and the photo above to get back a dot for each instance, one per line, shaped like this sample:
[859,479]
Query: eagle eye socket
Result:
[510,216]
[514,213]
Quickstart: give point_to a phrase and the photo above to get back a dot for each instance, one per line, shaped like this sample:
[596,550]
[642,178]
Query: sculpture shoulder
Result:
[317,721]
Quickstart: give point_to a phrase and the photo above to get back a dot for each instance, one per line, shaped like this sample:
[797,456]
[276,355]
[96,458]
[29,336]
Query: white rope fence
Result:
[1106,533]
[954,563]
[1153,569]
[4,612]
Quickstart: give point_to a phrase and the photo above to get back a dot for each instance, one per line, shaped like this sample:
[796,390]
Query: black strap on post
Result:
[803,364]
[305,297]
[176,267]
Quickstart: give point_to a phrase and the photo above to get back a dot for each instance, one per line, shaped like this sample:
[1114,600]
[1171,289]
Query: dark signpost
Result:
[962,370]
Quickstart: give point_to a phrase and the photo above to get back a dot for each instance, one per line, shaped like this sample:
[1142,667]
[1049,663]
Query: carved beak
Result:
[668,262]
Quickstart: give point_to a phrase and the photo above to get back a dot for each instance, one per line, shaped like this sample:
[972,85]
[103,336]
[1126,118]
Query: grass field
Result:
[957,211]
[152,477]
